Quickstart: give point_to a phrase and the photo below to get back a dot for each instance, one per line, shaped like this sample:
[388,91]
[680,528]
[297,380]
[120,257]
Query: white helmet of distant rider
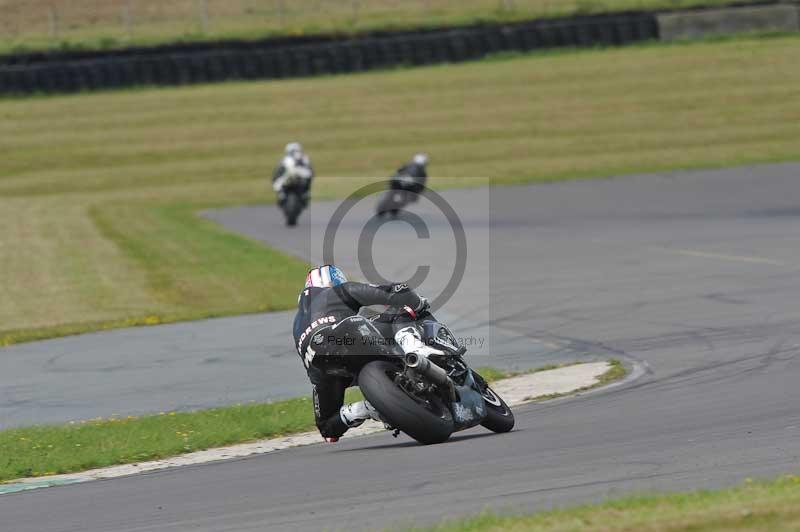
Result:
[421,159]
[294,150]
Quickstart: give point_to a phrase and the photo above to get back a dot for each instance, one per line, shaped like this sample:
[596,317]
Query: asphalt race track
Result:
[693,274]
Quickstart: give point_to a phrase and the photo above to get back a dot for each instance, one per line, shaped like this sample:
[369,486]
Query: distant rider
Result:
[328,309]
[295,171]
[412,176]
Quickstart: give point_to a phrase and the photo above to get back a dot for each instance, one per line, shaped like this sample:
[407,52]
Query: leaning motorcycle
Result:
[428,398]
[403,191]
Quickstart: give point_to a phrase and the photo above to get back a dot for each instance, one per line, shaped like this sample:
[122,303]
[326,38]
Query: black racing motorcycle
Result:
[427,398]
[292,199]
[403,190]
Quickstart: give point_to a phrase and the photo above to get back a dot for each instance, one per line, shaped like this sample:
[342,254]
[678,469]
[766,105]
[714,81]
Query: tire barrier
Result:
[310,56]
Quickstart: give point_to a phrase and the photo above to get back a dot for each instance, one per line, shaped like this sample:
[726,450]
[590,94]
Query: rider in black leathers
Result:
[405,186]
[327,313]
[412,176]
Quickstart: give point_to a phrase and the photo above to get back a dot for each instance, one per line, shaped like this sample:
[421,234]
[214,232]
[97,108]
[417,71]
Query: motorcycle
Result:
[292,199]
[427,398]
[403,191]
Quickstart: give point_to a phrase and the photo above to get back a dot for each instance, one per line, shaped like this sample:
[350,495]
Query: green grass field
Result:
[98,191]
[751,507]
[48,24]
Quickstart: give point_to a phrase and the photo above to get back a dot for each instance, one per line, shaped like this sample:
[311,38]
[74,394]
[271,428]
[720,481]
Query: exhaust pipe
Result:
[425,367]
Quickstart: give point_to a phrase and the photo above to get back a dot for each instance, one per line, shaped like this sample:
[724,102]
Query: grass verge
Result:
[82,445]
[98,192]
[97,24]
[753,506]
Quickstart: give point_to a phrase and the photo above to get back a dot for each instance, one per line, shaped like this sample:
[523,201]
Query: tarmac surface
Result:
[692,276]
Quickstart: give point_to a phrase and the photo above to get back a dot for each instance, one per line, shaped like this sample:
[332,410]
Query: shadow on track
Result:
[411,443]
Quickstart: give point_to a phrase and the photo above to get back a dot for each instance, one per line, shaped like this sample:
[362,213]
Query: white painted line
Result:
[720,256]
[515,391]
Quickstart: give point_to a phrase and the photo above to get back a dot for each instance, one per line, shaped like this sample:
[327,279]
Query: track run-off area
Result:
[692,276]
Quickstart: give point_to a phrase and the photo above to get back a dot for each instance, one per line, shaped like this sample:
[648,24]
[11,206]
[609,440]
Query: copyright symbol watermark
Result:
[375,221]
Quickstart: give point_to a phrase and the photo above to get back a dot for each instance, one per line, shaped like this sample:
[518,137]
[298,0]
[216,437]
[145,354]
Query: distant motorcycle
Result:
[291,181]
[403,191]
[427,398]
[292,189]
[293,198]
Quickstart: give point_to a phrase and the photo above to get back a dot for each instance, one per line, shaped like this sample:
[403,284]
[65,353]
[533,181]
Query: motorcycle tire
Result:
[499,417]
[292,209]
[427,422]
[385,205]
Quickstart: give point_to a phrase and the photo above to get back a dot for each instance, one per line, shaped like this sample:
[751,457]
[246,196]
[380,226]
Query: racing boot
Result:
[355,414]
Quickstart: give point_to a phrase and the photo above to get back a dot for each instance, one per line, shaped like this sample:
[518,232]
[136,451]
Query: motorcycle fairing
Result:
[470,409]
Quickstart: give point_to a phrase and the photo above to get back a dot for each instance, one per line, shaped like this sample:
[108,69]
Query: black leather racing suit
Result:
[325,318]
[416,184]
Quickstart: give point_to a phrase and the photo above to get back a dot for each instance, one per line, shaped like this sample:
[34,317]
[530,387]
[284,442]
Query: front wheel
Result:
[499,417]
[292,208]
[426,420]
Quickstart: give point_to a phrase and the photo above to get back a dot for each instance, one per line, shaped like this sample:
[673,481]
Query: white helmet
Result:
[293,147]
[421,159]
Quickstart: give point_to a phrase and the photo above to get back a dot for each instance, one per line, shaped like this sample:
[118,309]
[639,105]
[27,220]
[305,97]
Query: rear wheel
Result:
[426,420]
